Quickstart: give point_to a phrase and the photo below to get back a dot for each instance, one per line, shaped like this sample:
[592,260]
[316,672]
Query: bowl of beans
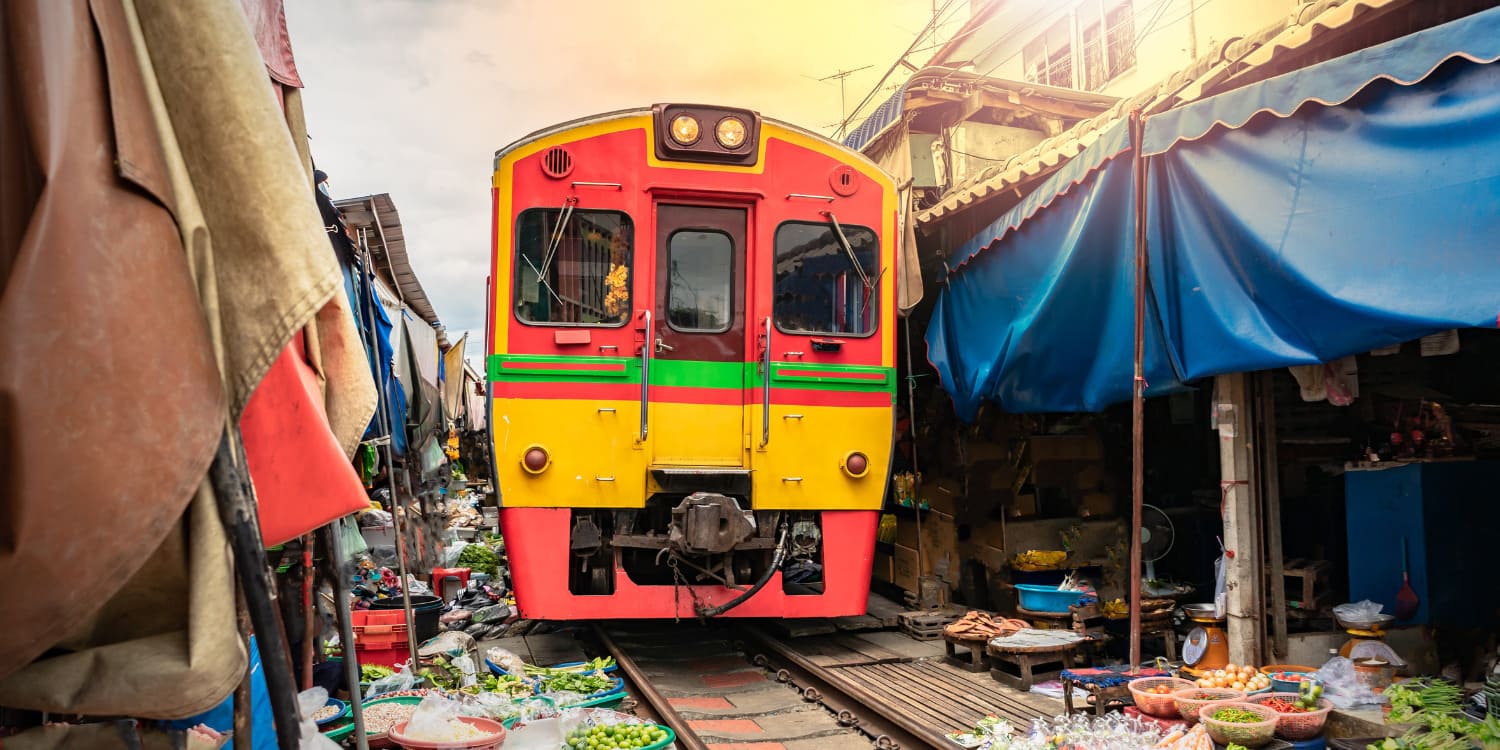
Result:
[330,712]
[380,715]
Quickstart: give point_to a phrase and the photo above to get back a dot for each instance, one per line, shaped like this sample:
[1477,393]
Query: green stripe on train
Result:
[527,368]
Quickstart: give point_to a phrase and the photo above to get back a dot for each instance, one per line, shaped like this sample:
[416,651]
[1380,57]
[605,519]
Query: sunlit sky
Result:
[413,97]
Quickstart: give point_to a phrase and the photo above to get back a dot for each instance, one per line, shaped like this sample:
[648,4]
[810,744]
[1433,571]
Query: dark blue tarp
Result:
[1334,232]
[1045,321]
[1282,231]
[379,351]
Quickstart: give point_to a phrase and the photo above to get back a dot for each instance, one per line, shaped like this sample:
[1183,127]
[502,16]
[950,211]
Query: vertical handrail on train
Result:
[646,344]
[765,413]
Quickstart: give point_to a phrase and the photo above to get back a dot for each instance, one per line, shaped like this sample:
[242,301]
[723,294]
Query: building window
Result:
[573,267]
[1103,48]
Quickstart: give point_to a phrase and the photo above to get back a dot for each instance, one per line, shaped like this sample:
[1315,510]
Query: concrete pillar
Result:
[1243,564]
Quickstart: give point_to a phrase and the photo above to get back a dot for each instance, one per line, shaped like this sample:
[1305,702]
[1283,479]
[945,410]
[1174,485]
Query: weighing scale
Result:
[1372,629]
[1207,645]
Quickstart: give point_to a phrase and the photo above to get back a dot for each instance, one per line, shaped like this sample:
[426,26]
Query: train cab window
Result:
[701,281]
[824,286]
[573,267]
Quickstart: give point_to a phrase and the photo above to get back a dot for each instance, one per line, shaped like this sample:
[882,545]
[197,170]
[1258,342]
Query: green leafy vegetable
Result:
[480,558]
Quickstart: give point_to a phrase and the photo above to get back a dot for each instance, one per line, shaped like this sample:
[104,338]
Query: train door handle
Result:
[662,346]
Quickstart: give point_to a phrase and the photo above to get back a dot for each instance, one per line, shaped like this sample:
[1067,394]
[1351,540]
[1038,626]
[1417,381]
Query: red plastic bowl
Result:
[494,730]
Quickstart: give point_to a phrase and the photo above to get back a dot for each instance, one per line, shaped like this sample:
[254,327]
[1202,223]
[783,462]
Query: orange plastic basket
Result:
[1160,705]
[1297,726]
[1190,700]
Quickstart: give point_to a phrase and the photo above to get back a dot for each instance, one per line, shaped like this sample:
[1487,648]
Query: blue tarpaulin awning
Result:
[1332,210]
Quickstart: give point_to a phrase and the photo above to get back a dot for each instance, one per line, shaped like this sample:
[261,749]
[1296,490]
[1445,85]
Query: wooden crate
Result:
[1306,583]
[927,625]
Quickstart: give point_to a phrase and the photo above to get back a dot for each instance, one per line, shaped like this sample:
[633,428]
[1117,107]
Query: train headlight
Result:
[535,460]
[685,129]
[856,464]
[730,132]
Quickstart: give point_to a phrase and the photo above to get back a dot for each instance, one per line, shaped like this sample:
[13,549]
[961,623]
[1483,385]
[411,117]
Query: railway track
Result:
[735,686]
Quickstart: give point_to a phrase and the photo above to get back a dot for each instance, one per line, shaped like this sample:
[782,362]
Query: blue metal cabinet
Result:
[1449,514]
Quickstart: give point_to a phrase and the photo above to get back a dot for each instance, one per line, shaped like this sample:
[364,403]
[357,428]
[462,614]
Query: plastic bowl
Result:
[1298,726]
[494,737]
[1287,681]
[1252,734]
[1160,705]
[1190,700]
[342,707]
[1271,669]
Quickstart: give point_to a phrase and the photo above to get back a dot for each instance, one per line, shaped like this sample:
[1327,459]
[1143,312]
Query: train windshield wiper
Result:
[849,251]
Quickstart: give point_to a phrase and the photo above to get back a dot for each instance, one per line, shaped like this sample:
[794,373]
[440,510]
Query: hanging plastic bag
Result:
[1221,597]
[353,542]
[402,679]
[308,704]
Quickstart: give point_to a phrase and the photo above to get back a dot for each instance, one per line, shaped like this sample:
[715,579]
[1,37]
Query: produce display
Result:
[479,558]
[380,717]
[1242,724]
[373,672]
[616,736]
[1236,677]
[565,681]
[1080,732]
[327,712]
[1435,705]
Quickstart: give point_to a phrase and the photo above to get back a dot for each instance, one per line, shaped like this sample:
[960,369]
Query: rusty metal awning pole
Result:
[1138,399]
[367,273]
[346,632]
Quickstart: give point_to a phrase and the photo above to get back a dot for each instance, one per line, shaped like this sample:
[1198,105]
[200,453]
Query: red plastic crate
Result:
[380,637]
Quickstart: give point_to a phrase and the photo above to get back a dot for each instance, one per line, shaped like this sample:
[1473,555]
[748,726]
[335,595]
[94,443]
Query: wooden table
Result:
[1028,649]
[975,661]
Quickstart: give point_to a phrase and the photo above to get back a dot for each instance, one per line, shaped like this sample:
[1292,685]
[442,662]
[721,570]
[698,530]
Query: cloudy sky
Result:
[413,97]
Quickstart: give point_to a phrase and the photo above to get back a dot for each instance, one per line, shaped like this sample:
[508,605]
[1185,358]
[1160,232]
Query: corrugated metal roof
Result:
[377,215]
[1233,65]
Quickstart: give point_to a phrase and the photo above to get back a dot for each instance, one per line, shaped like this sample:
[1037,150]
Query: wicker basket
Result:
[1297,726]
[1250,735]
[1160,705]
[1190,700]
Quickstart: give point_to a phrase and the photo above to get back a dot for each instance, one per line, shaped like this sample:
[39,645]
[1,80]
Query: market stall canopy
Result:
[1317,214]
[377,216]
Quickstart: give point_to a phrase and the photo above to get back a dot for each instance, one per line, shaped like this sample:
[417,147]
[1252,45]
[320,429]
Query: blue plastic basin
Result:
[1046,598]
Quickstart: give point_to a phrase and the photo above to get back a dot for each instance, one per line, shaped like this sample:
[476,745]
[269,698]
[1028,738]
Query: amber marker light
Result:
[685,129]
[535,460]
[730,132]
[856,464]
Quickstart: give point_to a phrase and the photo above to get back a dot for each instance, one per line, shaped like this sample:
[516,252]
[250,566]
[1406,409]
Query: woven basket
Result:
[1190,700]
[1162,706]
[1250,734]
[1303,726]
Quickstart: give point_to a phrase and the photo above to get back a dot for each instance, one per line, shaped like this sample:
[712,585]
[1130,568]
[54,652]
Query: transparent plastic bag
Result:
[1221,597]
[403,679]
[451,553]
[1342,686]
[506,661]
[1362,611]
[436,720]
[308,703]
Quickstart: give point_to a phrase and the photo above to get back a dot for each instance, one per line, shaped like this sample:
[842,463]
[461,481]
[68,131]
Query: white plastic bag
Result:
[403,679]
[308,703]
[506,661]
[1342,687]
[1221,597]
[1363,611]
[435,720]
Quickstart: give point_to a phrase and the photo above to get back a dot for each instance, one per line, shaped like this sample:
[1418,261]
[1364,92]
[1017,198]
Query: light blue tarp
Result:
[1282,231]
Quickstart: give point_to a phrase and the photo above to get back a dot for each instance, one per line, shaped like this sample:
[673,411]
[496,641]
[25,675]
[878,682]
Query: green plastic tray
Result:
[338,735]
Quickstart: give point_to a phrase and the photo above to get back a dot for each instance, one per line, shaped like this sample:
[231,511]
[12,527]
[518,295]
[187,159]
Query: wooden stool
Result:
[1029,649]
[1306,583]
[976,659]
[1105,698]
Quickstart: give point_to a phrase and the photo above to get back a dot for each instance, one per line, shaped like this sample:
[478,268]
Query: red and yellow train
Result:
[691,366]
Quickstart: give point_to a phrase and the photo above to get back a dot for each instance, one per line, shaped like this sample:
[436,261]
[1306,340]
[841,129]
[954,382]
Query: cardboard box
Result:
[1093,476]
[942,495]
[1097,504]
[1065,448]
[906,532]
[989,534]
[940,546]
[905,568]
[1059,474]
[978,453]
[1023,506]
[884,568]
[993,558]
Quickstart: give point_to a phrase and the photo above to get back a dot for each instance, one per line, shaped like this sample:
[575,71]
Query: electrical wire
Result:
[930,28]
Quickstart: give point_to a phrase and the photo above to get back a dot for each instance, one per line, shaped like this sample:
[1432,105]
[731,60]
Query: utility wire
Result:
[931,26]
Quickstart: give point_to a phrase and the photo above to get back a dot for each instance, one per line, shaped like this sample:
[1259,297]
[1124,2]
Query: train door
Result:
[697,374]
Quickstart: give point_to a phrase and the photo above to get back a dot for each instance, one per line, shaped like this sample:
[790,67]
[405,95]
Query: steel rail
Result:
[687,739]
[852,704]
